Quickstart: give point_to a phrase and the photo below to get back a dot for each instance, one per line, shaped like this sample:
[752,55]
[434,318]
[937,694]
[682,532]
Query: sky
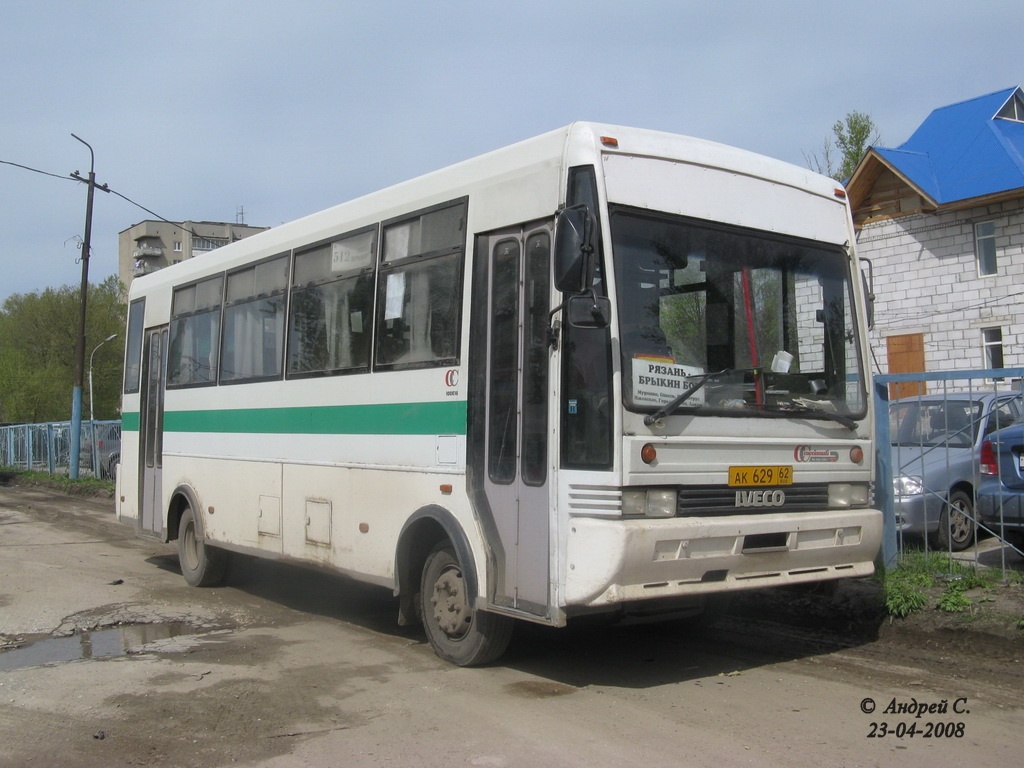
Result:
[216,110]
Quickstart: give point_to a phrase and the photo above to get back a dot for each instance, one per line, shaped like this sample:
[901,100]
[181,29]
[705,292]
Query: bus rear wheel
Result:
[202,566]
[458,633]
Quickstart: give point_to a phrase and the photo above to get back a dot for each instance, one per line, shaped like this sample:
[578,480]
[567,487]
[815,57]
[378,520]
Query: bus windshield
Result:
[753,323]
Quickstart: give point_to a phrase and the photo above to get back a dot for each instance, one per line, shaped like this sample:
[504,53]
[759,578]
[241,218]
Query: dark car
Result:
[936,442]
[1001,490]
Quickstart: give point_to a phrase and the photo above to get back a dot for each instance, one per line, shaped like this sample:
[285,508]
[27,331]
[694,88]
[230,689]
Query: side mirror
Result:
[573,249]
[589,311]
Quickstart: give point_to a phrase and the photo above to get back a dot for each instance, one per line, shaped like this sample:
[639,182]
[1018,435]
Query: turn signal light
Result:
[649,454]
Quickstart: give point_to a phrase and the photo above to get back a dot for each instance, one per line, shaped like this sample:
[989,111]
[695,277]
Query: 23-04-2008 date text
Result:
[923,730]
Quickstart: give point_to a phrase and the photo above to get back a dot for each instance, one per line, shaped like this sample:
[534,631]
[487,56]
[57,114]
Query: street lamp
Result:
[111,337]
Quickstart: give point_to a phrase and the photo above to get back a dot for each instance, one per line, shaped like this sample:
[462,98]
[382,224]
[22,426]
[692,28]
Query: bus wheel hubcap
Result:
[451,610]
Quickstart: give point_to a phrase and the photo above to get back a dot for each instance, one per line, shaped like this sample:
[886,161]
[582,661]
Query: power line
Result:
[911,315]
[151,213]
[36,170]
[76,178]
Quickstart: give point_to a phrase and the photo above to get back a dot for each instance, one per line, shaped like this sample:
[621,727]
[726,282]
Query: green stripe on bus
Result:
[447,418]
[130,422]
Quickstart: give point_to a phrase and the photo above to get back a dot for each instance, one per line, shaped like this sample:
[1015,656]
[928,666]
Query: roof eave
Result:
[866,174]
[980,200]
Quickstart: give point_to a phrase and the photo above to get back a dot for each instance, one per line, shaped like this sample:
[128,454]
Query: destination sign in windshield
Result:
[656,381]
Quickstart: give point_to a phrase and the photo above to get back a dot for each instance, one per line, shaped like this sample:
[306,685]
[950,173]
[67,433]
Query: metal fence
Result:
[928,461]
[47,447]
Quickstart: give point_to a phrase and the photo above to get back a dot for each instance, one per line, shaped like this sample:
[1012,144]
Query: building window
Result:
[177,246]
[985,247]
[992,341]
[1013,109]
[204,244]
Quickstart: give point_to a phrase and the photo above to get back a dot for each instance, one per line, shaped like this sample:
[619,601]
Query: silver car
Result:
[936,442]
[108,448]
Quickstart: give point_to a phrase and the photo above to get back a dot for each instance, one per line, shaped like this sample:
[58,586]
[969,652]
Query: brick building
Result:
[941,219]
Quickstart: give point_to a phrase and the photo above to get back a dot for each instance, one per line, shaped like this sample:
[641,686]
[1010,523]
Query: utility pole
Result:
[76,392]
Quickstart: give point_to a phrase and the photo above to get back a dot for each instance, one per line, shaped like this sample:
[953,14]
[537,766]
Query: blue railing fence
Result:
[46,447]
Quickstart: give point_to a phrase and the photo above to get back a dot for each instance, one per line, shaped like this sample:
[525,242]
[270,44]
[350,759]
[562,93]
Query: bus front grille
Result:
[714,500]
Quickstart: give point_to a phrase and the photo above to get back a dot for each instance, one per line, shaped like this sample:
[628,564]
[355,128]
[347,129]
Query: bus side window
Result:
[420,288]
[252,346]
[133,346]
[332,306]
[195,332]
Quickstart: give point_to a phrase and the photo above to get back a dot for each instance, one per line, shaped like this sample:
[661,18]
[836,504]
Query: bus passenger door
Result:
[151,430]
[514,376]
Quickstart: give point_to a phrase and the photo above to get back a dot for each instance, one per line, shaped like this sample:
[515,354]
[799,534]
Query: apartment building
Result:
[152,244]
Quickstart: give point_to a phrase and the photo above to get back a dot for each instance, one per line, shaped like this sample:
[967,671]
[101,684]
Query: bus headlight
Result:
[907,485]
[649,502]
[845,495]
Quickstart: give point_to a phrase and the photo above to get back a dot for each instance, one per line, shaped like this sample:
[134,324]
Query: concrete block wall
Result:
[926,281]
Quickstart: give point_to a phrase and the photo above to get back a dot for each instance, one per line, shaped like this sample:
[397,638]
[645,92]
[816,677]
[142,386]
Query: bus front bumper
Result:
[617,561]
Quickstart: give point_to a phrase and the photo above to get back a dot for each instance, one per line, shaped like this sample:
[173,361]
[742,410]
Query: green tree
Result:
[37,352]
[850,139]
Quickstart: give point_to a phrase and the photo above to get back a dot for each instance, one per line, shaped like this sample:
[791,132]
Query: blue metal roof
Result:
[964,150]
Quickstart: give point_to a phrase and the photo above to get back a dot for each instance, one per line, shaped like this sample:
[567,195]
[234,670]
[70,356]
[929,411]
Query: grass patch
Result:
[83,486]
[954,600]
[904,592]
[906,587]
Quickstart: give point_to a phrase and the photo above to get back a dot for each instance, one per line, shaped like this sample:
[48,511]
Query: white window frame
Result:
[986,241]
[992,347]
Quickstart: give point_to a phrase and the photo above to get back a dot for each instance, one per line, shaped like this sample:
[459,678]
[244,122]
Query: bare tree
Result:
[851,138]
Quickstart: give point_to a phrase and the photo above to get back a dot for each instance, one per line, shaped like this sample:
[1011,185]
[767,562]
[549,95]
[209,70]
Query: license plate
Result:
[748,477]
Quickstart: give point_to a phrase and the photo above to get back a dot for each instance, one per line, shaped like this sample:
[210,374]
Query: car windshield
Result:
[929,423]
[764,323]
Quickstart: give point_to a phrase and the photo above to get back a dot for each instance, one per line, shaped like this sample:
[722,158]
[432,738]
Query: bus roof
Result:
[537,164]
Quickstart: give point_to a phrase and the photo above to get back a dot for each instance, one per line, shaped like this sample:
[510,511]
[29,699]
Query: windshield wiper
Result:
[793,407]
[670,407]
[812,410]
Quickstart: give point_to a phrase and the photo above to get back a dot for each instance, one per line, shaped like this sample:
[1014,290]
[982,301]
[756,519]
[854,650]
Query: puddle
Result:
[95,644]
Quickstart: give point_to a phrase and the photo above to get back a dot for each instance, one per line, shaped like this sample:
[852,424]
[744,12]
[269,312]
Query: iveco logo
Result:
[760,498]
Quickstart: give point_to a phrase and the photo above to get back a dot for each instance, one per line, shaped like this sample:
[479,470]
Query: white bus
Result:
[601,371]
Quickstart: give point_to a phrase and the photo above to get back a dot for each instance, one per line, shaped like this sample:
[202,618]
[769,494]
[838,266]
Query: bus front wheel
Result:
[458,633]
[202,566]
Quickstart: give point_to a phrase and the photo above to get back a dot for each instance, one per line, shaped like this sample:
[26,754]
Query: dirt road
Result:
[112,660]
